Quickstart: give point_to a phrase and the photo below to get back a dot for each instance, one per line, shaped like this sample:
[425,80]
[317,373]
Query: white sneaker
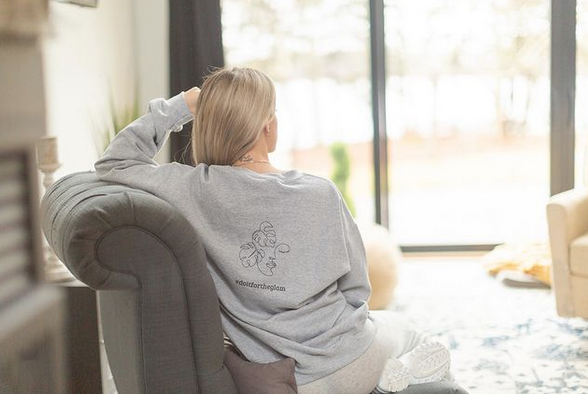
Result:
[394,378]
[428,362]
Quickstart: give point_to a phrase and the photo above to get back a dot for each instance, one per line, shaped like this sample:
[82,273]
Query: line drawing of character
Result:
[262,249]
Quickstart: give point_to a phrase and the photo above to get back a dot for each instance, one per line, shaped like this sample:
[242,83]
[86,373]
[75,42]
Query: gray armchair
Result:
[158,305]
[159,310]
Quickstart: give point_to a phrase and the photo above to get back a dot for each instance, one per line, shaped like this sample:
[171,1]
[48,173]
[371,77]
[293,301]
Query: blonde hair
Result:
[232,109]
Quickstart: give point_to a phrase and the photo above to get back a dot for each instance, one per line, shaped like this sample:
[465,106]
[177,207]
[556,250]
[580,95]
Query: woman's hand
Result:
[191,97]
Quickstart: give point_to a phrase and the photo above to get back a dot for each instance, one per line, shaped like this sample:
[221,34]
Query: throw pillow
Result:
[253,378]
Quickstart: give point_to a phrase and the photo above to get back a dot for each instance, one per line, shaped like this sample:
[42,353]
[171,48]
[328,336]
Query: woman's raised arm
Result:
[129,157]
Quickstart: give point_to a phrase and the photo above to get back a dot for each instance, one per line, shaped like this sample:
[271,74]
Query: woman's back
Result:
[279,253]
[285,255]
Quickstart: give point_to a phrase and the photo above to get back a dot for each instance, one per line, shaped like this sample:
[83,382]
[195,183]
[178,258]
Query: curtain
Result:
[195,48]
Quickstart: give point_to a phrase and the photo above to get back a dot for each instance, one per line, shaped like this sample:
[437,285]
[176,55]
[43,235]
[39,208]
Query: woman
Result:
[285,254]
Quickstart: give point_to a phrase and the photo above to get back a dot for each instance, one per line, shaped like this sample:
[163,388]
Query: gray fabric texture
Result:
[120,317]
[158,303]
[284,252]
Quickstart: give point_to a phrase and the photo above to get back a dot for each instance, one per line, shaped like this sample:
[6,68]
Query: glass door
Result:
[468,120]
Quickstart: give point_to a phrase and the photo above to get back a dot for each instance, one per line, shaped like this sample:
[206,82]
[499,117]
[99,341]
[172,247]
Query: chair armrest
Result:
[567,218]
[76,212]
[569,210]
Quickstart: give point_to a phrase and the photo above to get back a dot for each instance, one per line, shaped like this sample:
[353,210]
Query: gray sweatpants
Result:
[394,337]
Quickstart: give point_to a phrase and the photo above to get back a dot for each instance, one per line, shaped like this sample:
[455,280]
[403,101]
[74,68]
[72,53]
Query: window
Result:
[468,120]
[317,53]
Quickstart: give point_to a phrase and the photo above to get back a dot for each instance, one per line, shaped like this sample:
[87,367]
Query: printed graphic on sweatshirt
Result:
[263,250]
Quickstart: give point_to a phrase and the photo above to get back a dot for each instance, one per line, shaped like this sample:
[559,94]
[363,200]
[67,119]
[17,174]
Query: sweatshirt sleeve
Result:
[355,285]
[129,157]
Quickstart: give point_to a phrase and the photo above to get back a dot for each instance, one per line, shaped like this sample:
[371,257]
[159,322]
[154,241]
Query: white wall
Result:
[151,38]
[93,54]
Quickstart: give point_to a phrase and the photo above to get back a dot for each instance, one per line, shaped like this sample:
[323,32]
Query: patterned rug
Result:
[501,339]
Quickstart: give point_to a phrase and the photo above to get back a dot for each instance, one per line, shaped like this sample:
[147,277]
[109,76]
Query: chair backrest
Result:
[158,305]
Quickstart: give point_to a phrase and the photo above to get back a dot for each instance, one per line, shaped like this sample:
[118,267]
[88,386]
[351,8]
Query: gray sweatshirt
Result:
[285,255]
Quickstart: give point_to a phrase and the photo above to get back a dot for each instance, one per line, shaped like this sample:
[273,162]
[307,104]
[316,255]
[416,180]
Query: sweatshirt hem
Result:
[303,379]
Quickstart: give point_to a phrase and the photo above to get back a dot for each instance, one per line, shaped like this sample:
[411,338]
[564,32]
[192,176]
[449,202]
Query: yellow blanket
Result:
[533,259]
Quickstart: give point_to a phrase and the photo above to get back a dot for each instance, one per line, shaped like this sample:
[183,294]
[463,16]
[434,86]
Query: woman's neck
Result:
[251,158]
[256,162]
